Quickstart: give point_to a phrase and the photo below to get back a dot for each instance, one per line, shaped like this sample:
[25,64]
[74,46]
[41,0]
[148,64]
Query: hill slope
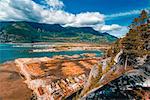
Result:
[124,74]
[39,32]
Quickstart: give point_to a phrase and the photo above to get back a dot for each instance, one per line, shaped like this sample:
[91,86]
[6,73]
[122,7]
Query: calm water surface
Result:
[10,52]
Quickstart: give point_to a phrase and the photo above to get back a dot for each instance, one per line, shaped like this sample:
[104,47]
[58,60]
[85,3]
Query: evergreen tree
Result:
[136,41]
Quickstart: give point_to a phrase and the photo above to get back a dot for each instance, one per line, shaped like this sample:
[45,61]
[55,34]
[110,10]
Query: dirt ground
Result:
[12,87]
[60,69]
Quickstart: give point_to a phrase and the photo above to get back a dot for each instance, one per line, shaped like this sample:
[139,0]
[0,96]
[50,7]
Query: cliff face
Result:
[127,73]
[94,76]
[133,84]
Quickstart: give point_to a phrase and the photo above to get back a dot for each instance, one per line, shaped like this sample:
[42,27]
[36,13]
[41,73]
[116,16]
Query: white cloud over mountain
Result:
[121,32]
[28,10]
[110,27]
[113,29]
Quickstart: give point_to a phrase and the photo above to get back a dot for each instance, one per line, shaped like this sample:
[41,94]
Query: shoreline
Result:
[26,93]
[57,47]
[55,43]
[59,44]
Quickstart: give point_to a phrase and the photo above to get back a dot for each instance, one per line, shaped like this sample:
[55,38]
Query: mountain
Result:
[40,32]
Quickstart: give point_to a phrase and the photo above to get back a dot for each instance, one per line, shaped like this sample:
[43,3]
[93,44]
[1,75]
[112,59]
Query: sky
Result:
[112,16]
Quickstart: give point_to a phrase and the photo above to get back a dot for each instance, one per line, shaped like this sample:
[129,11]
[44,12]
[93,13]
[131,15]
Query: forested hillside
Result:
[40,32]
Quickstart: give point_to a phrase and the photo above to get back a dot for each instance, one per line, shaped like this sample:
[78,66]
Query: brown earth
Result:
[60,69]
[12,86]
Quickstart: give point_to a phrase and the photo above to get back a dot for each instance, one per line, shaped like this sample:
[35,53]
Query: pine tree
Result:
[135,43]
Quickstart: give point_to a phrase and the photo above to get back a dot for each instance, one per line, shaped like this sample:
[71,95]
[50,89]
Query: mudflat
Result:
[12,86]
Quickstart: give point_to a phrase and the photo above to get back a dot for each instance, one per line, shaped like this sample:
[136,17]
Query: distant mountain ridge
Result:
[40,32]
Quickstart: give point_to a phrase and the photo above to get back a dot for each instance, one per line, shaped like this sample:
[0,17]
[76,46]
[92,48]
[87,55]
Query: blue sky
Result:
[106,7]
[112,16]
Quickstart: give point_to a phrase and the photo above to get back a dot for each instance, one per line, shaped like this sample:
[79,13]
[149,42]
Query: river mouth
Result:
[9,52]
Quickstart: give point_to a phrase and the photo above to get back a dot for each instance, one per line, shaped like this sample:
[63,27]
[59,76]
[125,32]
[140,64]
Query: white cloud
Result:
[56,4]
[133,12]
[86,19]
[27,10]
[121,14]
[121,32]
[18,10]
[110,27]
[114,29]
[30,11]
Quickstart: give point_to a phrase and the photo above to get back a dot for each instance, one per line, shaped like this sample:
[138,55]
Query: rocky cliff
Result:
[126,75]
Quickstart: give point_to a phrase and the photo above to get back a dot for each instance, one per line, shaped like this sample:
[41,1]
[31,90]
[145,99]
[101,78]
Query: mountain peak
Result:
[41,32]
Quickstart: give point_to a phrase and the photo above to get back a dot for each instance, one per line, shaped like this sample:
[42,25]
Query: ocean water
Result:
[9,52]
